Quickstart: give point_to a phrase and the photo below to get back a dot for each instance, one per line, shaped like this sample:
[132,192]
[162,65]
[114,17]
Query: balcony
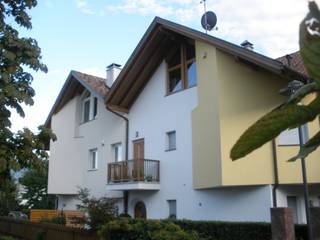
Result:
[137,174]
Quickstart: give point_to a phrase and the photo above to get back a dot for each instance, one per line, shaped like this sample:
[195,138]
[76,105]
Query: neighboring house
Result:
[176,109]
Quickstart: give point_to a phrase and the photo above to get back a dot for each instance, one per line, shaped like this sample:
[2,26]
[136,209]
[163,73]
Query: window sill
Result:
[88,121]
[169,150]
[288,145]
[181,90]
[92,170]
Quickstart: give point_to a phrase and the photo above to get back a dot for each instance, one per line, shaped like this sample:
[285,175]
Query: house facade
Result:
[163,132]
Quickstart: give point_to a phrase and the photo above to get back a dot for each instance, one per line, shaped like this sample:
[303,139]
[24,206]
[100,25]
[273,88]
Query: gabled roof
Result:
[151,49]
[75,83]
[294,60]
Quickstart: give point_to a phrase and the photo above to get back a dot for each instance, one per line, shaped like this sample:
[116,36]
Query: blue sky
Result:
[88,35]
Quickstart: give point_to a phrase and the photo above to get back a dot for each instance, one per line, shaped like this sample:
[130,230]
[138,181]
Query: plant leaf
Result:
[307,148]
[310,42]
[272,124]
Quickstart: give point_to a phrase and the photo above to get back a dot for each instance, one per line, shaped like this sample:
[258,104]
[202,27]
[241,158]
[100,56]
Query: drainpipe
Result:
[125,193]
[276,173]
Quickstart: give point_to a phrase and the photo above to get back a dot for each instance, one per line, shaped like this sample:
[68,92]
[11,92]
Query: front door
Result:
[138,158]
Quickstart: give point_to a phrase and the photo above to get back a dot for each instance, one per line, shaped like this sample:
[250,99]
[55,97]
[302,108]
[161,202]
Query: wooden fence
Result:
[28,230]
[37,214]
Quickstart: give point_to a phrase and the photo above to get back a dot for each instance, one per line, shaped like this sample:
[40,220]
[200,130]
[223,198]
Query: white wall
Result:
[69,155]
[154,114]
[297,191]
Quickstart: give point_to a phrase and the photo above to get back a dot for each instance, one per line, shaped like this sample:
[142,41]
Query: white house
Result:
[159,139]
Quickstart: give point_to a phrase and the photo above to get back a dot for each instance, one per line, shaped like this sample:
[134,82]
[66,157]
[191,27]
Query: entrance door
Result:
[140,210]
[138,157]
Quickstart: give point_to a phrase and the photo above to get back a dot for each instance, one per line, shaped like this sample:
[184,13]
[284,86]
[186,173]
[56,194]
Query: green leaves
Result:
[272,124]
[290,114]
[310,42]
[307,148]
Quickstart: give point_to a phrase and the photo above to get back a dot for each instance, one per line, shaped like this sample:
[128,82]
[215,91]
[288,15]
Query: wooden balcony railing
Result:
[137,170]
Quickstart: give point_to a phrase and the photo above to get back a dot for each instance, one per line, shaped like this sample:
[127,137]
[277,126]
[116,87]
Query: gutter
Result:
[125,193]
[276,173]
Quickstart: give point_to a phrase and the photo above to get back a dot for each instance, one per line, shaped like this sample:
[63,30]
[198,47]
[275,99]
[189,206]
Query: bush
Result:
[132,229]
[124,215]
[97,211]
[6,238]
[127,229]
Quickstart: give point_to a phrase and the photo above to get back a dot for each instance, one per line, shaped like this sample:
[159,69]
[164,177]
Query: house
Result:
[163,132]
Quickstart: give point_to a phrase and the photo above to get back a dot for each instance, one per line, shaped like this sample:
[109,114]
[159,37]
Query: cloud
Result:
[271,25]
[84,7]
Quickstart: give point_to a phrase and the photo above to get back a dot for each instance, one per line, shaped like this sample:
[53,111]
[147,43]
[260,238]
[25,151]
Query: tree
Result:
[18,56]
[35,183]
[97,211]
[292,113]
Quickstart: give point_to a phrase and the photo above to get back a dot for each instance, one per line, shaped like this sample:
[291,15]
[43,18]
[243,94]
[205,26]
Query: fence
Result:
[33,231]
[37,214]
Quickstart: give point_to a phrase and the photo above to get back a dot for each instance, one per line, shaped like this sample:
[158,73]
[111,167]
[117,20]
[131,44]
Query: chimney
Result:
[113,71]
[247,45]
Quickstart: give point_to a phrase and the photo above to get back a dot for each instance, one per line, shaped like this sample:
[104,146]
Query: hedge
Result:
[214,230]
[208,230]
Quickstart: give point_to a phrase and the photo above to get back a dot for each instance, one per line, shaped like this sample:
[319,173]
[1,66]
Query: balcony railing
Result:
[137,170]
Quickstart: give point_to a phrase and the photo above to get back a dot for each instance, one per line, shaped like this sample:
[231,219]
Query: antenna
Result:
[208,19]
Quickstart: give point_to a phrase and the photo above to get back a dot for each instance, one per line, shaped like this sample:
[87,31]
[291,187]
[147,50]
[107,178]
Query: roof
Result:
[76,82]
[150,52]
[294,60]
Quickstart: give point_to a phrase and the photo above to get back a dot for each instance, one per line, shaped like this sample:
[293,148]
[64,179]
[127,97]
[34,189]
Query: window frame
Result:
[84,101]
[167,148]
[183,65]
[93,152]
[114,147]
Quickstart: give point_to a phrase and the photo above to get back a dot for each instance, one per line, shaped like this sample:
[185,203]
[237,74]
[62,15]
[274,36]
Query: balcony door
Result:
[138,157]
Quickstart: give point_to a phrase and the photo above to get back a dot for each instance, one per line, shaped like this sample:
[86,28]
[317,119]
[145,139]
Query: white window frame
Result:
[93,152]
[114,147]
[172,205]
[168,147]
[84,107]
[88,97]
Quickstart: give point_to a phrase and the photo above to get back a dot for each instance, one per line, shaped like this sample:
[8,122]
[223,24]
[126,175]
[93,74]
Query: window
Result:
[93,164]
[181,68]
[171,141]
[293,204]
[86,110]
[291,137]
[117,152]
[172,208]
[95,107]
[90,107]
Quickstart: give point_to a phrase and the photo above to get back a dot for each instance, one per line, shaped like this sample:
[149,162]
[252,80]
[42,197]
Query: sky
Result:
[88,35]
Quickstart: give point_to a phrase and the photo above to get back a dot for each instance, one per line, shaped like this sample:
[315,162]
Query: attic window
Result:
[181,68]
[89,107]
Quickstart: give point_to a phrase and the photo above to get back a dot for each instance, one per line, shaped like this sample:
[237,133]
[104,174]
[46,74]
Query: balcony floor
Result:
[127,186]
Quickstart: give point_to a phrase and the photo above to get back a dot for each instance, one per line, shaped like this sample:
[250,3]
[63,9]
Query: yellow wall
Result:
[232,96]
[205,121]
[248,94]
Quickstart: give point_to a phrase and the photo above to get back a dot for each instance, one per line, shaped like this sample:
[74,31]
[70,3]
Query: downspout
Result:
[125,193]
[276,173]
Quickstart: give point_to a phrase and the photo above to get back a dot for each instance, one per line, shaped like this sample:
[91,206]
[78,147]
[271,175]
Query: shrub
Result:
[125,215]
[97,211]
[132,229]
[127,229]
[6,238]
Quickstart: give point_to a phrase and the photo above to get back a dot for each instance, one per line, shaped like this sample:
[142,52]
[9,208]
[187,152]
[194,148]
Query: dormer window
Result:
[89,107]
[181,68]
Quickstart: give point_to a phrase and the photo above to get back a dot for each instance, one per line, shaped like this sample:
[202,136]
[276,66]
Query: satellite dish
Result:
[209,20]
